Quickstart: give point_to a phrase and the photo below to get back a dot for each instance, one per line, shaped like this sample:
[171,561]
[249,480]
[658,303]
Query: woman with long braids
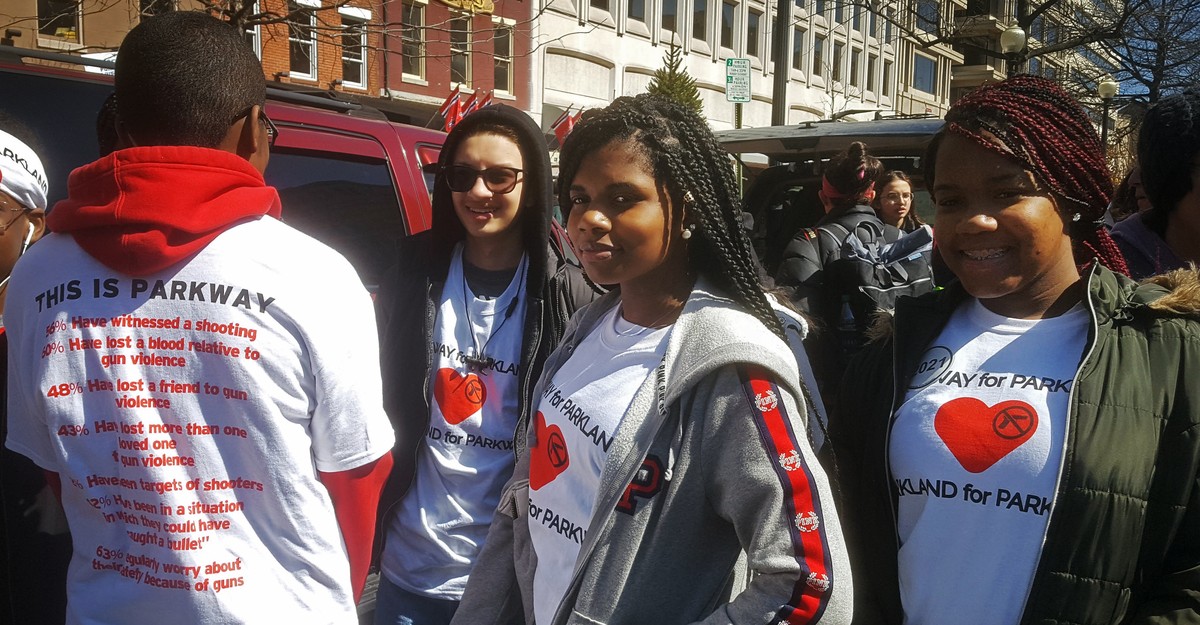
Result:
[1022,447]
[670,432]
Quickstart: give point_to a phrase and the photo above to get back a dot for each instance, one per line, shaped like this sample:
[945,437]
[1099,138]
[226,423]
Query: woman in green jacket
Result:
[1031,452]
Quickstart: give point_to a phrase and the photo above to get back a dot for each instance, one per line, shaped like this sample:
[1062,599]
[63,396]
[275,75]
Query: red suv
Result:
[347,175]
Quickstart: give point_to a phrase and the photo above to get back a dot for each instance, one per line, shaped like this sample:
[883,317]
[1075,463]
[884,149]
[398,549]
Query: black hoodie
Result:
[408,298]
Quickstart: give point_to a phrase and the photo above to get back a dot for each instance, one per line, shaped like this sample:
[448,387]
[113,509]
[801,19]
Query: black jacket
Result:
[812,249]
[409,296]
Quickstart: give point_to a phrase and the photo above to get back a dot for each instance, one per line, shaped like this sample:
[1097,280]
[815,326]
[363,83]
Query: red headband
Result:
[831,192]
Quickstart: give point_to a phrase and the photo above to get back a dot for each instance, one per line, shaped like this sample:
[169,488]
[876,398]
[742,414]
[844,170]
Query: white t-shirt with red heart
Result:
[578,417]
[467,454]
[975,454]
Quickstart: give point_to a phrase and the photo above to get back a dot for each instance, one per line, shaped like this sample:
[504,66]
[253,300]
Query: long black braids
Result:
[698,175]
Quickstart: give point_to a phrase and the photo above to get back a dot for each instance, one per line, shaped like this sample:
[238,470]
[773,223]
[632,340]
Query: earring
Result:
[688,198]
[687,231]
[1076,217]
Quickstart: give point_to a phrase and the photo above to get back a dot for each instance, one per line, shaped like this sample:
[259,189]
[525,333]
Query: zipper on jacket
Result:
[887,449]
[527,384]
[1063,467]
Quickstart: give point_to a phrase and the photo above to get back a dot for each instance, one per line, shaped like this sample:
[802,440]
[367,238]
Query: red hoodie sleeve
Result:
[54,482]
[355,495]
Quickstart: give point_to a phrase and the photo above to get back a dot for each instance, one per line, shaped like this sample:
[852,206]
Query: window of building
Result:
[839,11]
[924,74]
[354,52]
[886,87]
[670,13]
[601,5]
[700,20]
[252,33]
[728,14]
[872,61]
[819,7]
[855,61]
[818,56]
[927,16]
[887,30]
[798,49]
[855,18]
[59,18]
[412,39]
[503,54]
[460,49]
[1052,32]
[873,22]
[839,57]
[753,24]
[636,10]
[302,41]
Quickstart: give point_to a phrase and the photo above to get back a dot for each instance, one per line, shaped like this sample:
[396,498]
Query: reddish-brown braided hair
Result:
[1049,134]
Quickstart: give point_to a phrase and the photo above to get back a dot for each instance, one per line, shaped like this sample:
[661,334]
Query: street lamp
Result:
[1108,89]
[1012,43]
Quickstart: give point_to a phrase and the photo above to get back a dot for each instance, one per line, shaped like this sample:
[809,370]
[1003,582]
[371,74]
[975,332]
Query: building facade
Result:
[323,46]
[546,56]
[478,48]
[841,59]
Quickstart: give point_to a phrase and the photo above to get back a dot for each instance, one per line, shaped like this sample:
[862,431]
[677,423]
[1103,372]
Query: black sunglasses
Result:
[460,178]
[272,131]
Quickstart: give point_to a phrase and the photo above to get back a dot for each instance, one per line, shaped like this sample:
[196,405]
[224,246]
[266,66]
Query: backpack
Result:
[867,274]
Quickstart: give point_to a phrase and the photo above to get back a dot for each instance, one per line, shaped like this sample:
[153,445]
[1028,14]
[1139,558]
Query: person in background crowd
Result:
[1129,199]
[1020,447]
[670,429]
[847,191]
[893,202]
[1167,235]
[200,379]
[34,542]
[475,307]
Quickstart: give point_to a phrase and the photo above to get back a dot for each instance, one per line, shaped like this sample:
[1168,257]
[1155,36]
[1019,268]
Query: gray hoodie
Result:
[718,423]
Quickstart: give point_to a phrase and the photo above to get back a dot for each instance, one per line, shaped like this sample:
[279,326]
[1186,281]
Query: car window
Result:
[348,203]
[62,115]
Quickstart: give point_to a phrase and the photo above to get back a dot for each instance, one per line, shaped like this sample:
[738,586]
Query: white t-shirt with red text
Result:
[578,416]
[467,452]
[975,453]
[188,413]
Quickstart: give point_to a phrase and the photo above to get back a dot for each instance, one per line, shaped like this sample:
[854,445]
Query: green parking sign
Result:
[737,80]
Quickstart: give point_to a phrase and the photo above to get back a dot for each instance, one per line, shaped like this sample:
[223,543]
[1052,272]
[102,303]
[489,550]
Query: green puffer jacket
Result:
[1123,540]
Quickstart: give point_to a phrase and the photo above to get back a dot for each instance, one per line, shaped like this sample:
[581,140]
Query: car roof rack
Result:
[307,97]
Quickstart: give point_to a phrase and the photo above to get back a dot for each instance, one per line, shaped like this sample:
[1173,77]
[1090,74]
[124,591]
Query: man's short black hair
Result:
[1168,144]
[183,77]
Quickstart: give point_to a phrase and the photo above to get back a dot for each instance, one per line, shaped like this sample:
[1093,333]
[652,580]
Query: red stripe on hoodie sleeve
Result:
[811,593]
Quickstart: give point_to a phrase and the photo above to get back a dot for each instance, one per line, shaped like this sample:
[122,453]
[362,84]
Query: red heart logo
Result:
[548,456]
[980,435]
[458,396]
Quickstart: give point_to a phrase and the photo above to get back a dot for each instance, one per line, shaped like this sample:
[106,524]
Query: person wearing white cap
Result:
[23,189]
[36,547]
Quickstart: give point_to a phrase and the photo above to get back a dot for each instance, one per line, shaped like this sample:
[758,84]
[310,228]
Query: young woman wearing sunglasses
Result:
[476,304]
